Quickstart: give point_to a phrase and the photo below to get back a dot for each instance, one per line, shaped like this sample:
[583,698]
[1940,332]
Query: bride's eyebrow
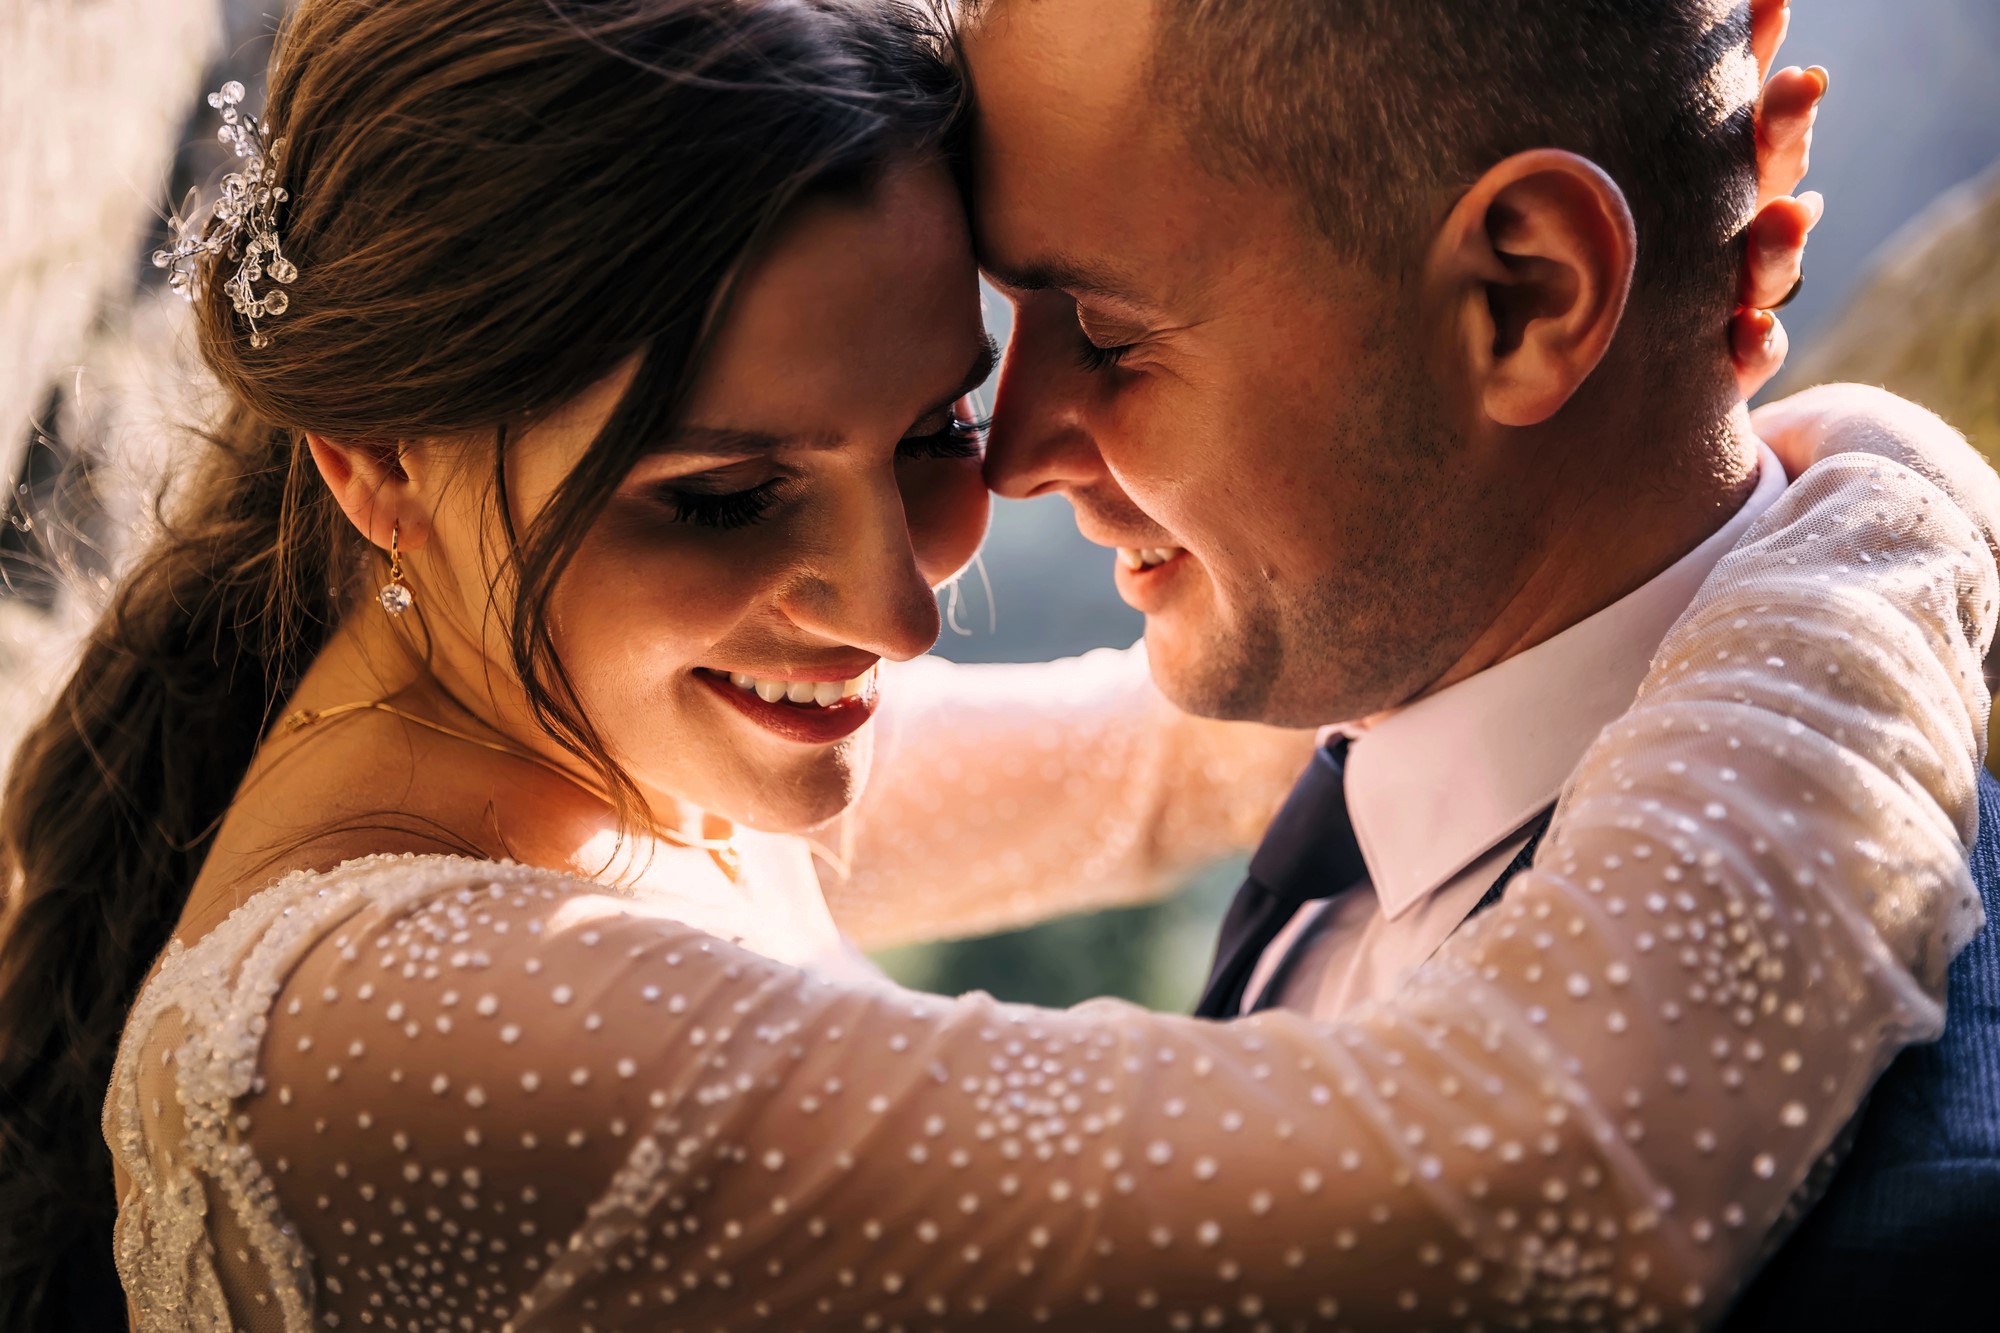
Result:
[727,442]
[724,442]
[984,362]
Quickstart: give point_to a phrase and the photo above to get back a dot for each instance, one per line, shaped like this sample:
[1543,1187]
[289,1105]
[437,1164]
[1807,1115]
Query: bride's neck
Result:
[441,768]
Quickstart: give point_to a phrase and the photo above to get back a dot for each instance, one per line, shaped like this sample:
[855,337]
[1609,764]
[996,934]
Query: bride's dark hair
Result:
[493,205]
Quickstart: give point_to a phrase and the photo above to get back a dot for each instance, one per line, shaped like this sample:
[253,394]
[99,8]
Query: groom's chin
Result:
[1226,673]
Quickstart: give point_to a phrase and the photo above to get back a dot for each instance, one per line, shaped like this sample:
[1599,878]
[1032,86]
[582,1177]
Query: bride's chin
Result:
[796,793]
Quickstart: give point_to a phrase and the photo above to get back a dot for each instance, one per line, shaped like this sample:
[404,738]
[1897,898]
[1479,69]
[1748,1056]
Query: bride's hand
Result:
[1857,419]
[1773,260]
[1854,418]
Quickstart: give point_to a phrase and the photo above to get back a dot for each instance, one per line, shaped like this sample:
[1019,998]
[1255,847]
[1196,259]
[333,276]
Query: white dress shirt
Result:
[1441,792]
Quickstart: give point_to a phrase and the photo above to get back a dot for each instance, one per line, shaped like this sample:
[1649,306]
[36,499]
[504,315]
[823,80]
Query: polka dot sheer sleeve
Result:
[442,1094]
[1002,795]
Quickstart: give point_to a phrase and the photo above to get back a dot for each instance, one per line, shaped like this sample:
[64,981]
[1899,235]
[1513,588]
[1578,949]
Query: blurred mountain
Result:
[1926,319]
[1913,109]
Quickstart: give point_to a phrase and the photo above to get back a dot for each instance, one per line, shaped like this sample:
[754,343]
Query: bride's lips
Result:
[804,723]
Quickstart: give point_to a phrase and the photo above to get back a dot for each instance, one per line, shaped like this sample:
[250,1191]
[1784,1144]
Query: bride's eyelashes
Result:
[693,501]
[735,509]
[963,438]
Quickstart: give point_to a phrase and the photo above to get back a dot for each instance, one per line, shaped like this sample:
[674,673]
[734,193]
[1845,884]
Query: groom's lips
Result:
[1147,589]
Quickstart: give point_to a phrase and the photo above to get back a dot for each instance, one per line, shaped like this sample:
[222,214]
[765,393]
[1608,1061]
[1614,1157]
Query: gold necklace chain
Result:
[720,850]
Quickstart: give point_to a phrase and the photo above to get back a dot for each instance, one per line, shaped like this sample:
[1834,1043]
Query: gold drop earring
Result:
[395,594]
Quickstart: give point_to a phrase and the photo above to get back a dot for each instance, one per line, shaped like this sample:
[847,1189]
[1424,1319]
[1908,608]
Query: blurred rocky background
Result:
[102,129]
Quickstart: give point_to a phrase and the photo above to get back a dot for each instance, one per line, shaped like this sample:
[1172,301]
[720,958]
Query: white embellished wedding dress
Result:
[438,1093]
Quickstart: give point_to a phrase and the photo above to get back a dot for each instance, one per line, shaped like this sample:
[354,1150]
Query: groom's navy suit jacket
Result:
[1908,1234]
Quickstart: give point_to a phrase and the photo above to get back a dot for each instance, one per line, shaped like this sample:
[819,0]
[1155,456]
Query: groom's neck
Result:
[1635,497]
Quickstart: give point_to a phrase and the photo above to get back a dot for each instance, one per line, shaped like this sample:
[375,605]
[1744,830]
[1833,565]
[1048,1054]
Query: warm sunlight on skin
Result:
[808,555]
[1260,371]
[1292,450]
[825,482]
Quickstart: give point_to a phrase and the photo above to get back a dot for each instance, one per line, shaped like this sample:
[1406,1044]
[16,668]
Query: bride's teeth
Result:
[1131,558]
[820,693]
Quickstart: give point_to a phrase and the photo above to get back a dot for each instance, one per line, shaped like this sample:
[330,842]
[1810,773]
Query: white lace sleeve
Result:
[490,1097]
[1002,795]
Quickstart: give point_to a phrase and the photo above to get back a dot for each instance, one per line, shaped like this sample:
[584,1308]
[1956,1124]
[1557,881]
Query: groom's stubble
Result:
[1353,528]
[1411,584]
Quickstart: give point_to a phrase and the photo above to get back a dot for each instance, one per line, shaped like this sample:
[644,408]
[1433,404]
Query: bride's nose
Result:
[861,584]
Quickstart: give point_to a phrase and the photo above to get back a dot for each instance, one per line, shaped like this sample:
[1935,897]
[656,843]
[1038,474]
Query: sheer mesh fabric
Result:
[1005,794]
[432,1093]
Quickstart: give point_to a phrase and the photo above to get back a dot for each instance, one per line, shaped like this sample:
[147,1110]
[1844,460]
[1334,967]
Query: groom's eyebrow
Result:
[1067,273]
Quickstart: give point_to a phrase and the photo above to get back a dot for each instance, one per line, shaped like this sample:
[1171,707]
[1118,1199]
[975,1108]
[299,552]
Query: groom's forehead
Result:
[1064,98]
[1091,55]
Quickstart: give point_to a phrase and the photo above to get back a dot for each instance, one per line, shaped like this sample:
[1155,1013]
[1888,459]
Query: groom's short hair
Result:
[1379,111]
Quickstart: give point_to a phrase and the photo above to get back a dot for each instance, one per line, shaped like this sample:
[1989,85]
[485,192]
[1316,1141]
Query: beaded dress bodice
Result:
[436,1093]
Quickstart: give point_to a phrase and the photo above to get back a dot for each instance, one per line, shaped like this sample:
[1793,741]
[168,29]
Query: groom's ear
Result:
[1535,265]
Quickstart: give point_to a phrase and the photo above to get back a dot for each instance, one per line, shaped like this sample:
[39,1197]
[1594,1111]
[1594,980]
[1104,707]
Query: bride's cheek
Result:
[948,507]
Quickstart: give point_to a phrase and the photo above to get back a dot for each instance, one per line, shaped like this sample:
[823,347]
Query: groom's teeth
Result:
[1145,557]
[821,693]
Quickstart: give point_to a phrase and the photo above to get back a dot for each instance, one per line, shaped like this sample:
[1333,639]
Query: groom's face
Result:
[1273,423]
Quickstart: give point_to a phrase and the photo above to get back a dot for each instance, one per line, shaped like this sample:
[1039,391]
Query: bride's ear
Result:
[1535,262]
[372,482]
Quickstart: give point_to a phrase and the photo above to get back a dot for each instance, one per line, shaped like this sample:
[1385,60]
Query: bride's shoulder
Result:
[254,945]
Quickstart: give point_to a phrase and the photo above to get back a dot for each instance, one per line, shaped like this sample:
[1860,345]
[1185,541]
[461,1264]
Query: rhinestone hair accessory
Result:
[241,225]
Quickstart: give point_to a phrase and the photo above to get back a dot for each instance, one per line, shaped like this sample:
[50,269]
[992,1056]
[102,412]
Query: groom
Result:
[1379,336]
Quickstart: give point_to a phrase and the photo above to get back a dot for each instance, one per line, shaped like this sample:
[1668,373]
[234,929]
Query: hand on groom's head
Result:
[1774,255]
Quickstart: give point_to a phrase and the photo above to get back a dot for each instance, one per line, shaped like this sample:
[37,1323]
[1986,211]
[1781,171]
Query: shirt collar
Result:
[1434,786]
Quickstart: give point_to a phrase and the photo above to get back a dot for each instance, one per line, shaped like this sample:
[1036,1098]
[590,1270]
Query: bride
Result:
[597,434]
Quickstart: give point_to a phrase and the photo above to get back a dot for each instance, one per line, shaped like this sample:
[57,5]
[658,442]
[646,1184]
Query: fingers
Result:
[1770,20]
[1785,116]
[1757,337]
[1777,246]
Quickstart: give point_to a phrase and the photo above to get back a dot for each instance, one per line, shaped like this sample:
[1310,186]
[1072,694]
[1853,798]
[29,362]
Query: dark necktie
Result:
[1310,852]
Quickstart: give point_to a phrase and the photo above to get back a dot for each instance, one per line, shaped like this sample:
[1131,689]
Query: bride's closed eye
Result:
[704,500]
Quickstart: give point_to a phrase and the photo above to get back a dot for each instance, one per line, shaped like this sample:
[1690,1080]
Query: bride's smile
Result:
[723,617]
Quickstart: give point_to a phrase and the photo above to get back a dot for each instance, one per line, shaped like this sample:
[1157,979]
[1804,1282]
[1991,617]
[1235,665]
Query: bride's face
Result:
[790,535]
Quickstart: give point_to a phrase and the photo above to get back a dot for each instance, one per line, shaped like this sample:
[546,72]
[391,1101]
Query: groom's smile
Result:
[1199,372]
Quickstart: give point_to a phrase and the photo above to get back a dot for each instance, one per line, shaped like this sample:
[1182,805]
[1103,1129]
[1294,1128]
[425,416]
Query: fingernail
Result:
[1815,204]
[1825,79]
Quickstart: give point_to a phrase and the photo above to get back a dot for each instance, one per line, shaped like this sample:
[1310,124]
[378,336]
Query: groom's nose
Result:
[1041,440]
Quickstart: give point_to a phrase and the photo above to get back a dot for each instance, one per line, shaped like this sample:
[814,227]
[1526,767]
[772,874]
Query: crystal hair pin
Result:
[242,224]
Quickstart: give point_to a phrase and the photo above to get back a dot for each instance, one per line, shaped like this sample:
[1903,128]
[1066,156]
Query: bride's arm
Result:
[1001,795]
[1592,1104]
